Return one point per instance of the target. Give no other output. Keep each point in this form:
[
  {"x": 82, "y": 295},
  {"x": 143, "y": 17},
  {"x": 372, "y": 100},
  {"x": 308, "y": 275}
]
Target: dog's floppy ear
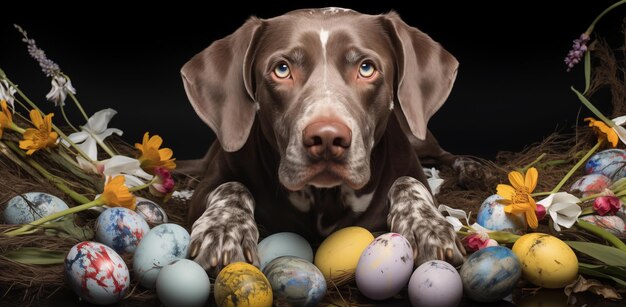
[
  {"x": 425, "y": 74},
  {"x": 218, "y": 84}
]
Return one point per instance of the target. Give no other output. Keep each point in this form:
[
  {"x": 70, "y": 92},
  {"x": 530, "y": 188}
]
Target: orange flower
[
  {"x": 603, "y": 131},
  {"x": 153, "y": 157},
  {"x": 517, "y": 196},
  {"x": 6, "y": 118},
  {"x": 41, "y": 136},
  {"x": 116, "y": 193}
]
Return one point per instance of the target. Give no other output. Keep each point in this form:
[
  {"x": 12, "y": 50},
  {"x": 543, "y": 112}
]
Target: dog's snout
[{"x": 327, "y": 139}]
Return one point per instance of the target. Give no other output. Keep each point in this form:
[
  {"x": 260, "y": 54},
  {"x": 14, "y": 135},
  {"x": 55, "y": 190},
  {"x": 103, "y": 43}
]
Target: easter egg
[
  {"x": 295, "y": 281},
  {"x": 610, "y": 163},
  {"x": 384, "y": 267},
  {"x": 242, "y": 284},
  {"x": 491, "y": 215},
  {"x": 490, "y": 274},
  {"x": 96, "y": 273},
  {"x": 284, "y": 244},
  {"x": 546, "y": 260},
  {"x": 591, "y": 184},
  {"x": 121, "y": 229},
  {"x": 339, "y": 254},
  {"x": 161, "y": 246},
  {"x": 150, "y": 211},
  {"x": 19, "y": 211},
  {"x": 435, "y": 283},
  {"x": 611, "y": 223},
  {"x": 183, "y": 283}
]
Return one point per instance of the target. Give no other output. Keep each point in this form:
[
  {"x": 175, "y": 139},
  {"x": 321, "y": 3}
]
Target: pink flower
[
  {"x": 476, "y": 241},
  {"x": 540, "y": 211},
  {"x": 164, "y": 183},
  {"x": 607, "y": 205}
]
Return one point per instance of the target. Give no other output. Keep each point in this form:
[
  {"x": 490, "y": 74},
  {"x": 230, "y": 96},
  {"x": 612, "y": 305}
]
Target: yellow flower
[
  {"x": 116, "y": 193},
  {"x": 604, "y": 132},
  {"x": 6, "y": 119},
  {"x": 41, "y": 136},
  {"x": 517, "y": 197},
  {"x": 153, "y": 157}
]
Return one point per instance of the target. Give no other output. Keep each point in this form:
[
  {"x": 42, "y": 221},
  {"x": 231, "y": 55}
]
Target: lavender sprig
[
  {"x": 49, "y": 67},
  {"x": 575, "y": 55}
]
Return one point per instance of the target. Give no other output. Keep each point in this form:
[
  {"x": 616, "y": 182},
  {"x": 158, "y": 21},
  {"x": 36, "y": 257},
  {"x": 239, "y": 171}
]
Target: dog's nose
[{"x": 327, "y": 139}]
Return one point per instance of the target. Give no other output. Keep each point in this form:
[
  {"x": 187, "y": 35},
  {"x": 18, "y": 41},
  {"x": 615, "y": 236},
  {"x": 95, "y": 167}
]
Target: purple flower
[
  {"x": 578, "y": 50},
  {"x": 48, "y": 67}
]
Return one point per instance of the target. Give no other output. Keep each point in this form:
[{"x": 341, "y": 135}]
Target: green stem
[
  {"x": 78, "y": 105},
  {"x": 608, "y": 9},
  {"x": 523, "y": 170},
  {"x": 141, "y": 187},
  {"x": 24, "y": 229},
  {"x": 541, "y": 194},
  {"x": 593, "y": 109},
  {"x": 13, "y": 157},
  {"x": 66, "y": 119},
  {"x": 587, "y": 211},
  {"x": 600, "y": 232},
  {"x": 576, "y": 166}
]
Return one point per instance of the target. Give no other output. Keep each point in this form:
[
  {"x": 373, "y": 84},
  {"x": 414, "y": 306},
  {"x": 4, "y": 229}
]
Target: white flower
[
  {"x": 128, "y": 167},
  {"x": 6, "y": 93},
  {"x": 563, "y": 209},
  {"x": 621, "y": 131},
  {"x": 454, "y": 216},
  {"x": 434, "y": 181},
  {"x": 60, "y": 87},
  {"x": 95, "y": 130}
]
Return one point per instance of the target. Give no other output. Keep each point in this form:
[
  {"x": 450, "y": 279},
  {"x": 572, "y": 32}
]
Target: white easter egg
[
  {"x": 183, "y": 283},
  {"x": 435, "y": 283},
  {"x": 284, "y": 244}
]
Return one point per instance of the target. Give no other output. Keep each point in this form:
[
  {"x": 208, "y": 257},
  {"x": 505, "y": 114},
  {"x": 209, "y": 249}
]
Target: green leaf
[
  {"x": 592, "y": 108},
  {"x": 36, "y": 255},
  {"x": 591, "y": 272},
  {"x": 605, "y": 269},
  {"x": 587, "y": 71},
  {"x": 606, "y": 254}
]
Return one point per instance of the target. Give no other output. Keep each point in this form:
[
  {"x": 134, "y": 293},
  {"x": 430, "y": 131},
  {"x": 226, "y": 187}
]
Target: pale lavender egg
[
  {"x": 491, "y": 215},
  {"x": 96, "y": 273},
  {"x": 435, "y": 283},
  {"x": 121, "y": 229},
  {"x": 591, "y": 184}
]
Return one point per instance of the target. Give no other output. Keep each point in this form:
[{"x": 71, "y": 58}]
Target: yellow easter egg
[
  {"x": 339, "y": 254},
  {"x": 546, "y": 260},
  {"x": 242, "y": 284}
]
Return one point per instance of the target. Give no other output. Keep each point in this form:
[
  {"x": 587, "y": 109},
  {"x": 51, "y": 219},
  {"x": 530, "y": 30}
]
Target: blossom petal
[
  {"x": 547, "y": 202},
  {"x": 119, "y": 164},
  {"x": 505, "y": 191},
  {"x": 90, "y": 148},
  {"x": 531, "y": 219},
  {"x": 132, "y": 181},
  {"x": 76, "y": 137},
  {"x": 620, "y": 121},
  {"x": 107, "y": 132},
  {"x": 99, "y": 121},
  {"x": 531, "y": 179},
  {"x": 517, "y": 180},
  {"x": 621, "y": 133},
  {"x": 454, "y": 216}
]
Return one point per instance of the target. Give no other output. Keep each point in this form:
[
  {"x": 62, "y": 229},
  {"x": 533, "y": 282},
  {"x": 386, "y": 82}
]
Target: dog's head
[{"x": 322, "y": 83}]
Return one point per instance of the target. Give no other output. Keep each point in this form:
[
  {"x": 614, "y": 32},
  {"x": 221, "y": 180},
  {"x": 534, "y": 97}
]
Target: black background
[{"x": 512, "y": 88}]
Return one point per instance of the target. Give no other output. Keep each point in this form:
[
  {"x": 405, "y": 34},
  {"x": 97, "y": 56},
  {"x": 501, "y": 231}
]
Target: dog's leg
[
  {"x": 226, "y": 232},
  {"x": 412, "y": 213}
]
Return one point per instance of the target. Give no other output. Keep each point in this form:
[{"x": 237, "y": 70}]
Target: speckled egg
[
  {"x": 121, "y": 229},
  {"x": 384, "y": 267},
  {"x": 611, "y": 223},
  {"x": 243, "y": 285},
  {"x": 284, "y": 244},
  {"x": 18, "y": 211},
  {"x": 150, "y": 211},
  {"x": 295, "y": 281},
  {"x": 435, "y": 283},
  {"x": 591, "y": 184},
  {"x": 96, "y": 273},
  {"x": 490, "y": 274},
  {"x": 161, "y": 246},
  {"x": 339, "y": 253},
  {"x": 610, "y": 163},
  {"x": 491, "y": 215},
  {"x": 183, "y": 283}
]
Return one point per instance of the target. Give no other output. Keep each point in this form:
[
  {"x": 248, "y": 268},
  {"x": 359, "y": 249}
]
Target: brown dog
[{"x": 315, "y": 112}]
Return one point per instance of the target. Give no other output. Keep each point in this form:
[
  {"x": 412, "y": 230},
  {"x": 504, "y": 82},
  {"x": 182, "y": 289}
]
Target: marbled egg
[
  {"x": 183, "y": 283},
  {"x": 295, "y": 281},
  {"x": 96, "y": 273},
  {"x": 161, "y": 246},
  {"x": 490, "y": 274},
  {"x": 435, "y": 283},
  {"x": 18, "y": 211},
  {"x": 284, "y": 244},
  {"x": 491, "y": 215},
  {"x": 612, "y": 223},
  {"x": 243, "y": 285},
  {"x": 150, "y": 211},
  {"x": 121, "y": 229},
  {"x": 384, "y": 267},
  {"x": 610, "y": 163},
  {"x": 591, "y": 184}
]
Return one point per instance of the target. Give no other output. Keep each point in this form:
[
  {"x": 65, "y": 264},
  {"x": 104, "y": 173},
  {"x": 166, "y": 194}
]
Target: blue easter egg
[
  {"x": 491, "y": 215},
  {"x": 121, "y": 229},
  {"x": 19, "y": 211},
  {"x": 490, "y": 274},
  {"x": 295, "y": 281},
  {"x": 610, "y": 163},
  {"x": 283, "y": 244}
]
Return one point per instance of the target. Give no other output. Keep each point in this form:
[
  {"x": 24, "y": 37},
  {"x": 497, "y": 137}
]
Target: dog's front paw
[{"x": 413, "y": 215}]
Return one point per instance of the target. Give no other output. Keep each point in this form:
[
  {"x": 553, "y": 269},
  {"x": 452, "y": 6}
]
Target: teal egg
[
  {"x": 295, "y": 281},
  {"x": 490, "y": 274},
  {"x": 19, "y": 211},
  {"x": 491, "y": 215},
  {"x": 284, "y": 244}
]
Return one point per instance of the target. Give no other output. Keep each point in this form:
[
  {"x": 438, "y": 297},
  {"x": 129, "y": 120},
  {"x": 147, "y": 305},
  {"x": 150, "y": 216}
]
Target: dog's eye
[
  {"x": 366, "y": 70},
  {"x": 282, "y": 71}
]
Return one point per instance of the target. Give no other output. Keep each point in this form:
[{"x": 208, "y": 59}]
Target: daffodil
[
  {"x": 603, "y": 131},
  {"x": 152, "y": 156},
  {"x": 517, "y": 196},
  {"x": 41, "y": 136},
  {"x": 116, "y": 194},
  {"x": 563, "y": 209},
  {"x": 94, "y": 132},
  {"x": 61, "y": 87}
]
